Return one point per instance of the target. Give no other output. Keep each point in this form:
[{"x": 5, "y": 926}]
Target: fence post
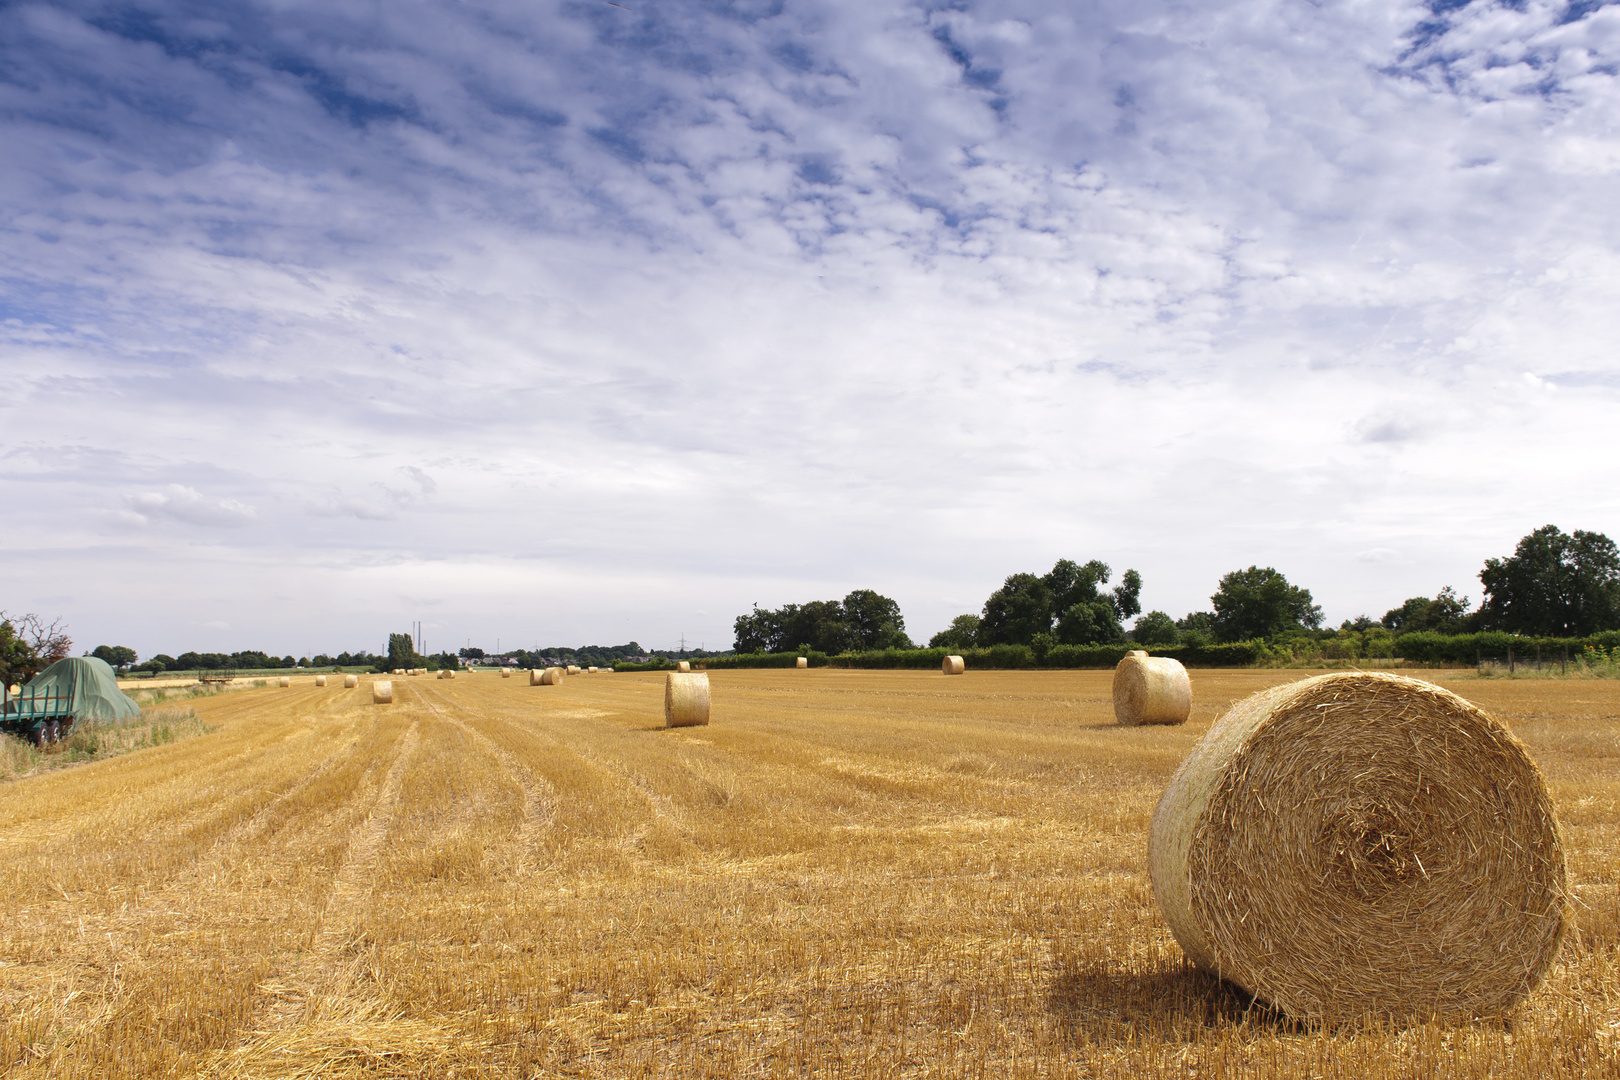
[{"x": 1510, "y": 659}]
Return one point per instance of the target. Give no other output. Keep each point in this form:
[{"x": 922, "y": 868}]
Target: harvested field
[{"x": 848, "y": 873}]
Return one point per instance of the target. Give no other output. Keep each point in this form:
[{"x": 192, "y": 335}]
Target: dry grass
[{"x": 847, "y": 874}]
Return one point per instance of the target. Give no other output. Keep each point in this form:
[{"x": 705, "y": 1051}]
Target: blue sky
[{"x": 580, "y": 322}]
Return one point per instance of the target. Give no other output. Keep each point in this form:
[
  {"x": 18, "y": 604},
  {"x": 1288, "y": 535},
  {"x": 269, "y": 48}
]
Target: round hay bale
[
  {"x": 683, "y": 665},
  {"x": 1151, "y": 690},
  {"x": 552, "y": 676},
  {"x": 1363, "y": 844},
  {"x": 802, "y": 662},
  {"x": 573, "y": 669},
  {"x": 534, "y": 677},
  {"x": 953, "y": 665},
  {"x": 382, "y": 692},
  {"x": 350, "y": 682},
  {"x": 591, "y": 670},
  {"x": 447, "y": 673},
  {"x": 285, "y": 681},
  {"x": 686, "y": 699},
  {"x": 506, "y": 673},
  {"x": 320, "y": 680}
]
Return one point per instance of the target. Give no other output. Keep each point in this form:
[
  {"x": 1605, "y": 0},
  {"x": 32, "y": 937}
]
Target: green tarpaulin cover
[{"x": 81, "y": 686}]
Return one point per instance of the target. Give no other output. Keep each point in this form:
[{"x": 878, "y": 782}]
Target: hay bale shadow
[{"x": 1100, "y": 1004}]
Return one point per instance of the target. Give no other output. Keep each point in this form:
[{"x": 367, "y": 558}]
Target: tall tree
[
  {"x": 1445, "y": 614},
  {"x": 1259, "y": 603},
  {"x": 1068, "y": 598},
  {"x": 862, "y": 620},
  {"x": 1565, "y": 585},
  {"x": 402, "y": 652},
  {"x": 963, "y": 633},
  {"x": 116, "y": 656}
]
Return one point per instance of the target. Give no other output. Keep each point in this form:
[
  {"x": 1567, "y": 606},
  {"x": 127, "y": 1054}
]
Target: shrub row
[{"x": 1429, "y": 648}]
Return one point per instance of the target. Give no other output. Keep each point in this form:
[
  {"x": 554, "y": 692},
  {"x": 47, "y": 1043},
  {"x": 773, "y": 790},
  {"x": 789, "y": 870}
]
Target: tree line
[{"x": 1554, "y": 585}]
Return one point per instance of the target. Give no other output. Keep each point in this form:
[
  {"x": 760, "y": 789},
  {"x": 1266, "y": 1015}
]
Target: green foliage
[
  {"x": 1447, "y": 613},
  {"x": 1427, "y": 647},
  {"x": 1259, "y": 603},
  {"x": 1156, "y": 628},
  {"x": 963, "y": 633},
  {"x": 1000, "y": 657},
  {"x": 115, "y": 656},
  {"x": 28, "y": 645},
  {"x": 1554, "y": 584},
  {"x": 862, "y": 620},
  {"x": 402, "y": 652},
  {"x": 1066, "y": 603}
]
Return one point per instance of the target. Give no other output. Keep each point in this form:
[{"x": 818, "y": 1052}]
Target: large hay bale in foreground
[
  {"x": 802, "y": 662},
  {"x": 1359, "y": 844},
  {"x": 953, "y": 665},
  {"x": 320, "y": 680},
  {"x": 552, "y": 676},
  {"x": 683, "y": 665},
  {"x": 1151, "y": 690},
  {"x": 686, "y": 699},
  {"x": 350, "y": 682},
  {"x": 382, "y": 692}
]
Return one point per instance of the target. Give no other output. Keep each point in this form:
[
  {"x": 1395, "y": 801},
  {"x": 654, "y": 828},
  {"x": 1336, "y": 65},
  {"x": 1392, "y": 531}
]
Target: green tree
[
  {"x": 1554, "y": 583},
  {"x": 862, "y": 620},
  {"x": 1447, "y": 613},
  {"x": 874, "y": 621},
  {"x": 1259, "y": 603},
  {"x": 402, "y": 652},
  {"x": 28, "y": 645},
  {"x": 1067, "y": 602},
  {"x": 1156, "y": 628},
  {"x": 963, "y": 633},
  {"x": 1017, "y": 611},
  {"x": 116, "y": 656}
]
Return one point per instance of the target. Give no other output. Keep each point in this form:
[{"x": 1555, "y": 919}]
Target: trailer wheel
[{"x": 39, "y": 735}]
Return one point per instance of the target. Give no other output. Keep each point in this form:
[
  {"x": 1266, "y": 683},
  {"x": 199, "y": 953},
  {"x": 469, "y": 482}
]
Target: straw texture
[
  {"x": 552, "y": 676},
  {"x": 683, "y": 665},
  {"x": 953, "y": 665},
  {"x": 802, "y": 662},
  {"x": 1359, "y": 844},
  {"x": 350, "y": 682},
  {"x": 1151, "y": 690},
  {"x": 382, "y": 692},
  {"x": 686, "y": 699}
]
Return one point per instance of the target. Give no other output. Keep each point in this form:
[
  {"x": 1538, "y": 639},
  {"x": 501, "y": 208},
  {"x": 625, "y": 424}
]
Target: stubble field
[{"x": 864, "y": 874}]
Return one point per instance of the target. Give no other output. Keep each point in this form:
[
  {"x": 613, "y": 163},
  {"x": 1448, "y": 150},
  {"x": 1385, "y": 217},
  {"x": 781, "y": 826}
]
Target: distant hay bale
[
  {"x": 682, "y": 665},
  {"x": 686, "y": 699},
  {"x": 573, "y": 669},
  {"x": 285, "y": 681},
  {"x": 552, "y": 676},
  {"x": 1151, "y": 690},
  {"x": 398, "y": 671},
  {"x": 1363, "y": 844},
  {"x": 506, "y": 673},
  {"x": 591, "y": 670},
  {"x": 320, "y": 680},
  {"x": 802, "y": 662},
  {"x": 534, "y": 677},
  {"x": 382, "y": 692},
  {"x": 447, "y": 673},
  {"x": 953, "y": 665},
  {"x": 350, "y": 682}
]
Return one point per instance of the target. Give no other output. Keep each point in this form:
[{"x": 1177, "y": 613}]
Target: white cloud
[
  {"x": 841, "y": 295},
  {"x": 187, "y": 505}
]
